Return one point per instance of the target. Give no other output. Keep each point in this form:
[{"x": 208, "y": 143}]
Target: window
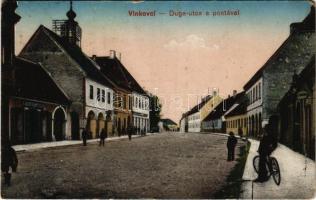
[
  {"x": 253, "y": 95},
  {"x": 124, "y": 101},
  {"x": 109, "y": 98},
  {"x": 139, "y": 103},
  {"x": 130, "y": 102},
  {"x": 98, "y": 94},
  {"x": 91, "y": 92},
  {"x": 136, "y": 102},
  {"x": 259, "y": 90},
  {"x": 250, "y": 97},
  {"x": 103, "y": 95}
]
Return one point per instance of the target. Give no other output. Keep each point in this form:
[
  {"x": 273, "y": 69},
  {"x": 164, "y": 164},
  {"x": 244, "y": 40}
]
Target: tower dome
[{"x": 71, "y": 14}]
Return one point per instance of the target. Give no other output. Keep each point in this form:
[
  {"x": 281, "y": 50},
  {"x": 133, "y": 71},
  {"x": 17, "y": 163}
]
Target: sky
[{"x": 180, "y": 59}]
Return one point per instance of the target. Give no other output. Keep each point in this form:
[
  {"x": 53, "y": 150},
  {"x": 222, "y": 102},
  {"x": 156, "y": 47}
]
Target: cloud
[{"x": 190, "y": 42}]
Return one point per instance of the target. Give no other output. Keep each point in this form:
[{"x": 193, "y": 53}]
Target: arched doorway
[
  {"x": 128, "y": 121},
  {"x": 59, "y": 124},
  {"x": 108, "y": 123},
  {"x": 249, "y": 126},
  {"x": 75, "y": 131},
  {"x": 91, "y": 125},
  {"x": 101, "y": 124}
]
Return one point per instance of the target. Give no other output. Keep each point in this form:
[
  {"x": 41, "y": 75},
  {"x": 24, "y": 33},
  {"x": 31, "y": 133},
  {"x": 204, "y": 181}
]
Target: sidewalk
[
  {"x": 296, "y": 182},
  {"x": 30, "y": 147}
]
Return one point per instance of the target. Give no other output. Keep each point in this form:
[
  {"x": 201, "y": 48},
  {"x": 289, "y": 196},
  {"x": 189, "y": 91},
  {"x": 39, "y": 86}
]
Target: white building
[
  {"x": 140, "y": 111},
  {"x": 254, "y": 108},
  {"x": 194, "y": 122},
  {"x": 99, "y": 106}
]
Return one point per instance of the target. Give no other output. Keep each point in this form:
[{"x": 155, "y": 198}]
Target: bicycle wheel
[
  {"x": 275, "y": 171},
  {"x": 255, "y": 163}
]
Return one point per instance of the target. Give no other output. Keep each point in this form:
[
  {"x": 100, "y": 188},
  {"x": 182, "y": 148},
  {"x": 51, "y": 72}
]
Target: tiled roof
[
  {"x": 115, "y": 70},
  {"x": 87, "y": 64},
  {"x": 35, "y": 83},
  {"x": 197, "y": 107},
  {"x": 238, "y": 110},
  {"x": 223, "y": 107}
]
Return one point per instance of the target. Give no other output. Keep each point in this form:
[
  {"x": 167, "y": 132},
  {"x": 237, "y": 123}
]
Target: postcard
[{"x": 157, "y": 99}]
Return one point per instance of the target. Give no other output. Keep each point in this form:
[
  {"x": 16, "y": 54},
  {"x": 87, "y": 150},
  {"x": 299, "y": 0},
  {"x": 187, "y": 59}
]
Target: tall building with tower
[{"x": 89, "y": 91}]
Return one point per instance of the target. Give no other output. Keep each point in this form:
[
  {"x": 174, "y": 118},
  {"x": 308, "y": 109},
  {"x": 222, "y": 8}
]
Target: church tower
[{"x": 68, "y": 29}]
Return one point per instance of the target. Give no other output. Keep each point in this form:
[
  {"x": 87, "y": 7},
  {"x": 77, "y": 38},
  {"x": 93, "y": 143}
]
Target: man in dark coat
[
  {"x": 8, "y": 159},
  {"x": 130, "y": 131},
  {"x": 231, "y": 144},
  {"x": 103, "y": 136},
  {"x": 267, "y": 145},
  {"x": 84, "y": 137}
]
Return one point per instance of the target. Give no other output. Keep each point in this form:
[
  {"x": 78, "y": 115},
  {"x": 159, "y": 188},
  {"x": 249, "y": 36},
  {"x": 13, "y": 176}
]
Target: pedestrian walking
[
  {"x": 231, "y": 144},
  {"x": 103, "y": 136},
  {"x": 130, "y": 131},
  {"x": 84, "y": 135},
  {"x": 8, "y": 160}
]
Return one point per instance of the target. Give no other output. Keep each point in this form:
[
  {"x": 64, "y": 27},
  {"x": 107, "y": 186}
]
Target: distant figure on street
[
  {"x": 130, "y": 131},
  {"x": 231, "y": 144},
  {"x": 84, "y": 135},
  {"x": 103, "y": 136},
  {"x": 8, "y": 160},
  {"x": 268, "y": 144}
]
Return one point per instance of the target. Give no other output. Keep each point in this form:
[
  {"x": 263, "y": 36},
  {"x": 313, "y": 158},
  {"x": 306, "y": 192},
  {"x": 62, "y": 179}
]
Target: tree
[{"x": 154, "y": 114}]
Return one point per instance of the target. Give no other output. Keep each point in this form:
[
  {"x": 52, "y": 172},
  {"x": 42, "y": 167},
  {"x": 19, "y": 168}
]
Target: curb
[{"x": 53, "y": 144}]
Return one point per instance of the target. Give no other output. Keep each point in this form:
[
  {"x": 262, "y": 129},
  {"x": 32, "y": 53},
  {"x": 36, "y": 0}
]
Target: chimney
[
  {"x": 234, "y": 92},
  {"x": 94, "y": 57},
  {"x": 215, "y": 92},
  {"x": 112, "y": 54}
]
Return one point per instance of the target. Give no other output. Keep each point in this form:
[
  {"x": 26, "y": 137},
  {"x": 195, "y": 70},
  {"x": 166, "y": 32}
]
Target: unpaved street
[{"x": 169, "y": 165}]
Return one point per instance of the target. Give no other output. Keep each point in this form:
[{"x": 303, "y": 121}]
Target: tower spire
[
  {"x": 71, "y": 14},
  {"x": 70, "y": 4}
]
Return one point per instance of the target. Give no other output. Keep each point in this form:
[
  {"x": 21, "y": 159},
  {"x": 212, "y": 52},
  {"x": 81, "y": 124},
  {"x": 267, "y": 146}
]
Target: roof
[
  {"x": 238, "y": 110},
  {"x": 197, "y": 107},
  {"x": 308, "y": 24},
  {"x": 168, "y": 122},
  {"x": 86, "y": 64},
  {"x": 115, "y": 70},
  {"x": 34, "y": 82},
  {"x": 219, "y": 110}
]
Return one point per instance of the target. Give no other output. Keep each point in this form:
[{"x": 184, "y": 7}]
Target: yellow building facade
[
  {"x": 122, "y": 112},
  {"x": 236, "y": 120}
]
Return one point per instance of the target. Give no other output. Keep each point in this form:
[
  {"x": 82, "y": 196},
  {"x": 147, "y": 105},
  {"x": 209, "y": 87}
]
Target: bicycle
[{"x": 272, "y": 168}]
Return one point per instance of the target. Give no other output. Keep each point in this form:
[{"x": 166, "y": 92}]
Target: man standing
[
  {"x": 231, "y": 144},
  {"x": 84, "y": 135},
  {"x": 103, "y": 136},
  {"x": 8, "y": 160},
  {"x": 130, "y": 130}
]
